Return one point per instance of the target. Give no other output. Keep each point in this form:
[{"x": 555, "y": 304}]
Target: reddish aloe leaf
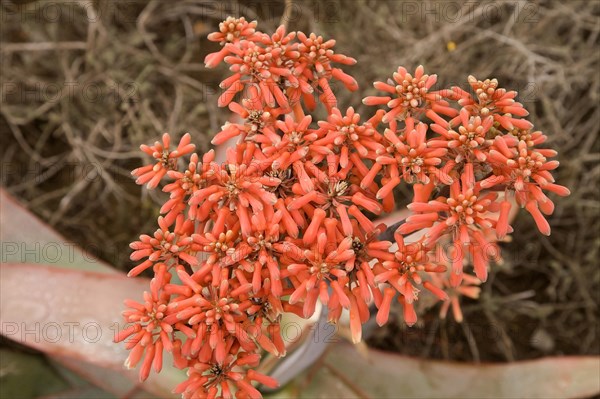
[
  {"x": 48, "y": 299},
  {"x": 72, "y": 314},
  {"x": 26, "y": 239},
  {"x": 344, "y": 372},
  {"x": 76, "y": 298},
  {"x": 114, "y": 381}
]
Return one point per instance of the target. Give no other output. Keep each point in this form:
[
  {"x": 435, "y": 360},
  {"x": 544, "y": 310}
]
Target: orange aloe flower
[
  {"x": 238, "y": 188},
  {"x": 469, "y": 141},
  {"x": 492, "y": 100},
  {"x": 468, "y": 287},
  {"x": 164, "y": 246},
  {"x": 314, "y": 67},
  {"x": 407, "y": 157},
  {"x": 403, "y": 275},
  {"x": 409, "y": 95},
  {"x": 287, "y": 219},
  {"x": 231, "y": 31},
  {"x": 526, "y": 172},
  {"x": 346, "y": 133},
  {"x": 258, "y": 123},
  {"x": 464, "y": 214},
  {"x": 225, "y": 378},
  {"x": 165, "y": 159},
  {"x": 148, "y": 335}
]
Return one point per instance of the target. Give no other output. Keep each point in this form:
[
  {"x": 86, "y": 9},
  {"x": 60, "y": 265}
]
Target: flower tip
[{"x": 381, "y": 319}]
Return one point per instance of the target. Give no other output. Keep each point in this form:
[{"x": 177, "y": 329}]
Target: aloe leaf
[
  {"x": 344, "y": 372},
  {"x": 74, "y": 314}
]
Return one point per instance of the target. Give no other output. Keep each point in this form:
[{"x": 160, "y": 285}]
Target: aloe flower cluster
[{"x": 289, "y": 218}]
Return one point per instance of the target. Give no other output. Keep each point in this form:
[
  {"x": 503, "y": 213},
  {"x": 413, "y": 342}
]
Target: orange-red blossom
[{"x": 287, "y": 218}]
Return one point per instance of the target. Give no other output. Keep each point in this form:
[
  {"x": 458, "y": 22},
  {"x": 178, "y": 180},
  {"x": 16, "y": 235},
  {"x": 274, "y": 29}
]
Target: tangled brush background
[{"x": 85, "y": 83}]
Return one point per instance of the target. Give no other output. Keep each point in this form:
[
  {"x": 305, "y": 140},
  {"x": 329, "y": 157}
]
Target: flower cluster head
[
  {"x": 285, "y": 69},
  {"x": 289, "y": 217}
]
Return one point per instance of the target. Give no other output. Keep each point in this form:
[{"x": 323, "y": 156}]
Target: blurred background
[{"x": 84, "y": 83}]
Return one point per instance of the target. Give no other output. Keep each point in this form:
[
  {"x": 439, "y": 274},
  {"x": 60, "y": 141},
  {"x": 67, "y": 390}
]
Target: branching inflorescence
[{"x": 286, "y": 220}]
